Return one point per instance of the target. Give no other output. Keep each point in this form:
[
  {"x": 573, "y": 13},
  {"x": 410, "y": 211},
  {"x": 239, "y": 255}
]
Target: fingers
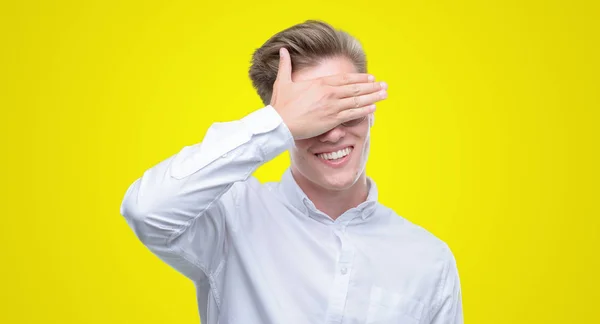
[
  {"x": 359, "y": 89},
  {"x": 349, "y": 115},
  {"x": 362, "y": 101},
  {"x": 348, "y": 78},
  {"x": 284, "y": 73}
]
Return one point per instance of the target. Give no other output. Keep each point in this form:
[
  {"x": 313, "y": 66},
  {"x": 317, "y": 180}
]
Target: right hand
[{"x": 311, "y": 108}]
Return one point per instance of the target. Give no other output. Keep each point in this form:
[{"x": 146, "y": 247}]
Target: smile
[{"x": 336, "y": 158}]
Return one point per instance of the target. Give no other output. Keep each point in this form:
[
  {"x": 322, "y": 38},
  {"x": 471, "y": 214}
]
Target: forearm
[{"x": 169, "y": 196}]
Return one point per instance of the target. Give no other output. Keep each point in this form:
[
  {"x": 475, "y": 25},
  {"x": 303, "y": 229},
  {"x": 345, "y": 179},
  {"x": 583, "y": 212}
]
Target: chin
[{"x": 340, "y": 180}]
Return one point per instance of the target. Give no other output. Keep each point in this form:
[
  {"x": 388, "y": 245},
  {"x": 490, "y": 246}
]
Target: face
[{"x": 334, "y": 160}]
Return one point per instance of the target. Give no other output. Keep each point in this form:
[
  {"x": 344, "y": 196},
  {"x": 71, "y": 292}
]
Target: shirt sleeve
[
  {"x": 448, "y": 306},
  {"x": 178, "y": 208}
]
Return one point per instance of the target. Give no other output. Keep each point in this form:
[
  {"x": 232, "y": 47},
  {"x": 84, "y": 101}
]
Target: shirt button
[{"x": 344, "y": 270}]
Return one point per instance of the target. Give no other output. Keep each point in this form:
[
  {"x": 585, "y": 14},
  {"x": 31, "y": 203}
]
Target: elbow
[
  {"x": 137, "y": 212},
  {"x": 131, "y": 207}
]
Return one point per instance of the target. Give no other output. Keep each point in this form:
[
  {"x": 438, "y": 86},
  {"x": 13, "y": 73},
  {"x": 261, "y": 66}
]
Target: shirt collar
[{"x": 300, "y": 201}]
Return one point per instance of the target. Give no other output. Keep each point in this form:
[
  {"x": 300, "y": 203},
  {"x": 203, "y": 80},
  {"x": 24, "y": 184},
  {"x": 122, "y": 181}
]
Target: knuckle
[
  {"x": 345, "y": 78},
  {"x": 376, "y": 96},
  {"x": 328, "y": 92}
]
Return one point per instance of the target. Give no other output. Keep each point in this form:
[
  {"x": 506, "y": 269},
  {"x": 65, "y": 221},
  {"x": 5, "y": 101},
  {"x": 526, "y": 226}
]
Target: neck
[{"x": 333, "y": 202}]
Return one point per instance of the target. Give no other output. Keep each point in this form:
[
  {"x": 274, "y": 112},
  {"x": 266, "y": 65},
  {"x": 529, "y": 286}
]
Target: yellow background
[{"x": 488, "y": 139}]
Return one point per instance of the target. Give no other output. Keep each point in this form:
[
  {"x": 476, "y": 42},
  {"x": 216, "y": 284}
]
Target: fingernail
[
  {"x": 383, "y": 94},
  {"x": 371, "y": 78},
  {"x": 383, "y": 85}
]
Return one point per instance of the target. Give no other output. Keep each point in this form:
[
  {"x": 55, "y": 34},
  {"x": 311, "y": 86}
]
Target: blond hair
[{"x": 308, "y": 43}]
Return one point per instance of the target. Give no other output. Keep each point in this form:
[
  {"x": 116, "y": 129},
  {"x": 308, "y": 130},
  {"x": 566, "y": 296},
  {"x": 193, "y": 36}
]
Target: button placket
[{"x": 342, "y": 277}]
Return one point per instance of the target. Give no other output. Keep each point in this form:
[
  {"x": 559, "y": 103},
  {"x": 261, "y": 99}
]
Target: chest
[{"x": 318, "y": 273}]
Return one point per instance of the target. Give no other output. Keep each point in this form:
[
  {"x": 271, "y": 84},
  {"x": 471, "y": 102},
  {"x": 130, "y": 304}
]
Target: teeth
[{"x": 335, "y": 155}]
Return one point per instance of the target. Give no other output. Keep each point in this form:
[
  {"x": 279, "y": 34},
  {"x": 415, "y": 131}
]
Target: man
[{"x": 315, "y": 247}]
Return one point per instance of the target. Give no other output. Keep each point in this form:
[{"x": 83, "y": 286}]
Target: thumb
[{"x": 284, "y": 73}]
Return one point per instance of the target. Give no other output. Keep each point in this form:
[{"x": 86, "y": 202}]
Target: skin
[{"x": 333, "y": 190}]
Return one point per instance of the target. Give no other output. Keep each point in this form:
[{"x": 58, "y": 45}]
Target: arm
[
  {"x": 448, "y": 307},
  {"x": 178, "y": 207}
]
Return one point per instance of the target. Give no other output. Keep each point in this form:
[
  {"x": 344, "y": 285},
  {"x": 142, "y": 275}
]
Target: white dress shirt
[{"x": 263, "y": 254}]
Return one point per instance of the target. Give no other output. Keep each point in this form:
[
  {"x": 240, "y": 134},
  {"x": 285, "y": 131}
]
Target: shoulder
[
  {"x": 410, "y": 238},
  {"x": 252, "y": 191},
  {"x": 253, "y": 186}
]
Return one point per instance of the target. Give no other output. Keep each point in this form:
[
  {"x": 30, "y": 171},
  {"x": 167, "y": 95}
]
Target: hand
[{"x": 311, "y": 108}]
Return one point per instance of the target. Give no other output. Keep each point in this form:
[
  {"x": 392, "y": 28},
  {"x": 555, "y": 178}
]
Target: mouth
[{"x": 337, "y": 158}]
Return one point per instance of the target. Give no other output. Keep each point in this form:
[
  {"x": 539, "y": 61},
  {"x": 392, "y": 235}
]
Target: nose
[{"x": 333, "y": 135}]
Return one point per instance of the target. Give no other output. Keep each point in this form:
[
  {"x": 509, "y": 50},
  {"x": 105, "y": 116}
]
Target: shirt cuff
[
  {"x": 262, "y": 120},
  {"x": 267, "y": 120}
]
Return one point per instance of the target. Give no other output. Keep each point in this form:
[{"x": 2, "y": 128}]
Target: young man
[{"x": 315, "y": 247}]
